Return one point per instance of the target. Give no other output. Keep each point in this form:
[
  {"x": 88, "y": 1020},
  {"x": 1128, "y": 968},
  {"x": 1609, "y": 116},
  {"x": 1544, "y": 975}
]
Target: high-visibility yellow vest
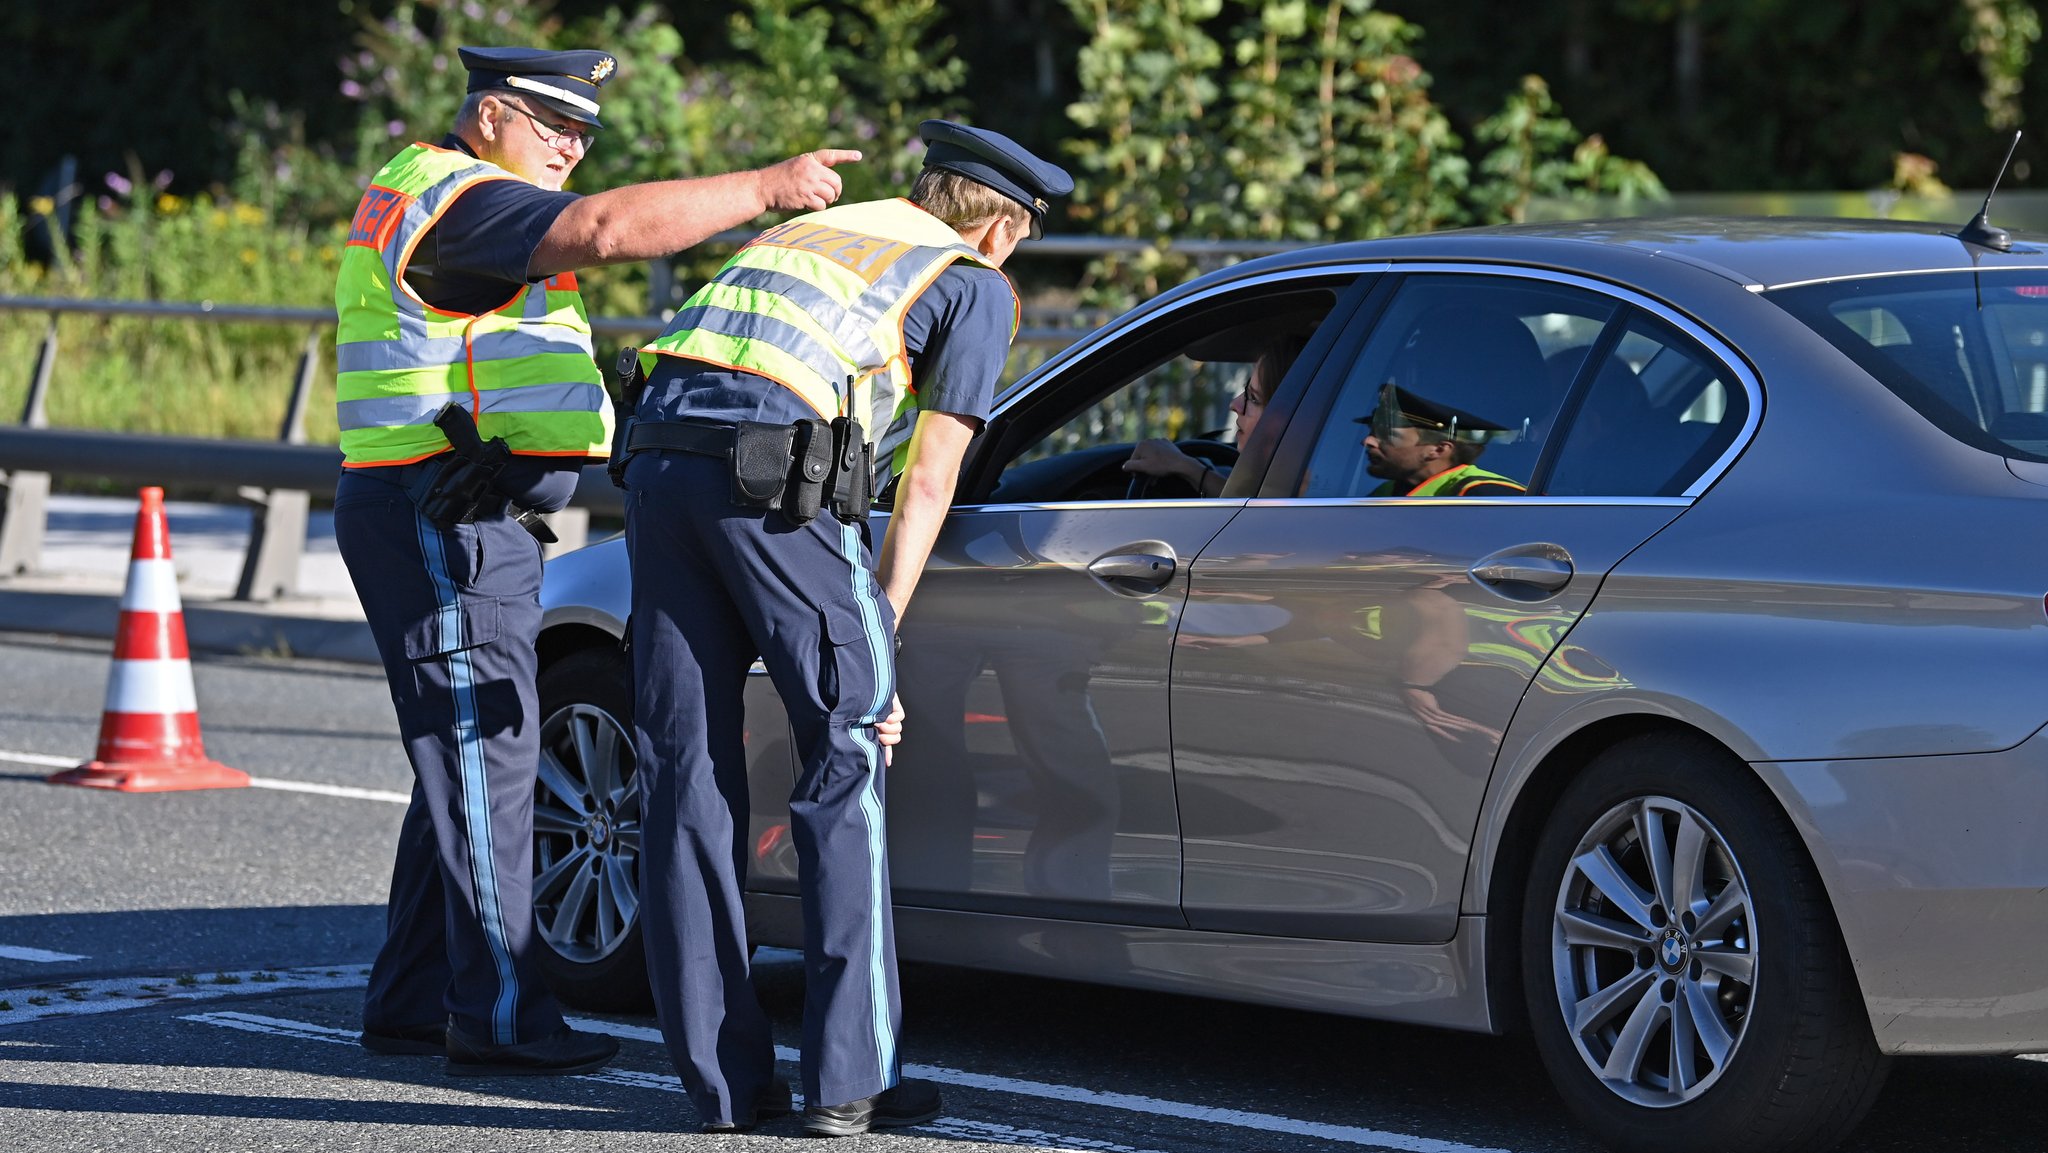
[
  {"x": 818, "y": 302},
  {"x": 1449, "y": 482},
  {"x": 525, "y": 369}
]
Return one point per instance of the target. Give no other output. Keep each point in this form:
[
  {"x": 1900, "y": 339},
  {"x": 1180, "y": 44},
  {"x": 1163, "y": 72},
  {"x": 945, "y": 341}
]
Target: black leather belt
[{"x": 681, "y": 436}]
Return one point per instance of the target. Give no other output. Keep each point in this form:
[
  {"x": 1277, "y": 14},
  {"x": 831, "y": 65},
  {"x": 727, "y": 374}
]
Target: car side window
[
  {"x": 1476, "y": 365},
  {"x": 1181, "y": 378},
  {"x": 1656, "y": 412}
]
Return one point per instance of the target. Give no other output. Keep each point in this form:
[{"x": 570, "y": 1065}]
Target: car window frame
[
  {"x": 999, "y": 438},
  {"x": 1282, "y": 478}
]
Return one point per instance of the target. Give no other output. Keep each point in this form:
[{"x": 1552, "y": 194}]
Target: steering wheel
[{"x": 1215, "y": 452}]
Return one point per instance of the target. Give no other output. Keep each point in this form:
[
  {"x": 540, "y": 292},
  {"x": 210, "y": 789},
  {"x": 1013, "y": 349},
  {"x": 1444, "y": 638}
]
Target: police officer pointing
[
  {"x": 468, "y": 402},
  {"x": 863, "y": 338}
]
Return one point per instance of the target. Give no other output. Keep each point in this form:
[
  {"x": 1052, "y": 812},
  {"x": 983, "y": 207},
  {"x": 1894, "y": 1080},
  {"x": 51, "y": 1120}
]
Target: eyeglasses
[{"x": 556, "y": 136}]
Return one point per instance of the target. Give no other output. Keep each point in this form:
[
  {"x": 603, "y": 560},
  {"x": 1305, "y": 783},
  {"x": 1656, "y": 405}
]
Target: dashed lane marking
[
  {"x": 83, "y": 998},
  {"x": 39, "y": 956}
]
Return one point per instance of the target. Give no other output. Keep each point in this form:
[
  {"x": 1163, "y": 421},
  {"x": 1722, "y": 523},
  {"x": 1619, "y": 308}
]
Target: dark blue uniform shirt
[
  {"x": 957, "y": 336},
  {"x": 473, "y": 260}
]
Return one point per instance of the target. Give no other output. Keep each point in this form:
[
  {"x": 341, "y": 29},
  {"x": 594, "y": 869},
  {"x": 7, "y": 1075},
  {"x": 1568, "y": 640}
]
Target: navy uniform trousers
[
  {"x": 455, "y": 613},
  {"x": 714, "y": 586}
]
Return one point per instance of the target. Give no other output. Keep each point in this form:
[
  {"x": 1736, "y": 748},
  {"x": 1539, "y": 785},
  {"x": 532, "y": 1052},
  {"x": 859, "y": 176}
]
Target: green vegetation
[{"x": 1272, "y": 120}]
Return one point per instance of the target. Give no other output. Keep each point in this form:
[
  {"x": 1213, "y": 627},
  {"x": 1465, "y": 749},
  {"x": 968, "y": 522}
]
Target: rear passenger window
[
  {"x": 1456, "y": 391},
  {"x": 1656, "y": 412}
]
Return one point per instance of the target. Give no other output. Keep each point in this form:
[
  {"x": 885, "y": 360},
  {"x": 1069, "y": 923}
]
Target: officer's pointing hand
[{"x": 807, "y": 182}]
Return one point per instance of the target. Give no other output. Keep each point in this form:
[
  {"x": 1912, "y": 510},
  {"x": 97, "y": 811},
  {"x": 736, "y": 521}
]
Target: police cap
[
  {"x": 1400, "y": 408},
  {"x": 997, "y": 161},
  {"x": 564, "y": 81}
]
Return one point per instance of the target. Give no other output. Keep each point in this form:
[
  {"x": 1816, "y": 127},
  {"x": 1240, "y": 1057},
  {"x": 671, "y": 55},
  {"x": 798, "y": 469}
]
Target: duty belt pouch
[
  {"x": 852, "y": 479},
  {"x": 811, "y": 467},
  {"x": 761, "y": 463}
]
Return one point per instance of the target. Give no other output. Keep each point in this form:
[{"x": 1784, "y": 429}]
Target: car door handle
[
  {"x": 1544, "y": 567},
  {"x": 1133, "y": 572}
]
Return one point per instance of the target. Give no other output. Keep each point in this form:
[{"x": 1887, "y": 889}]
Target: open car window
[{"x": 1173, "y": 376}]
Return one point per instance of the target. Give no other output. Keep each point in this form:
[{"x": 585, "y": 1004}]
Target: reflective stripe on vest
[
  {"x": 524, "y": 370},
  {"x": 1459, "y": 478},
  {"x": 820, "y": 299}
]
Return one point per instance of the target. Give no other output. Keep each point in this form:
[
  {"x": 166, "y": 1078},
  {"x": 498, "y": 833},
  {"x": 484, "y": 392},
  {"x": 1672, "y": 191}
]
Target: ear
[{"x": 489, "y": 112}]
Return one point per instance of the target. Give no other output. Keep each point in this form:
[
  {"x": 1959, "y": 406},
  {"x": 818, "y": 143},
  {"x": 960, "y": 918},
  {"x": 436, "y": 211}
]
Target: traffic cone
[{"x": 149, "y": 730}]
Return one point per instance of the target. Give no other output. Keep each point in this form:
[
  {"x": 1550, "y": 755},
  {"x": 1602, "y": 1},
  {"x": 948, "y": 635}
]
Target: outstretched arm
[{"x": 662, "y": 217}]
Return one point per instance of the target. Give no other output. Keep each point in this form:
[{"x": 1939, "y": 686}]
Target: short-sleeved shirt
[
  {"x": 473, "y": 260},
  {"x": 477, "y": 255},
  {"x": 956, "y": 335}
]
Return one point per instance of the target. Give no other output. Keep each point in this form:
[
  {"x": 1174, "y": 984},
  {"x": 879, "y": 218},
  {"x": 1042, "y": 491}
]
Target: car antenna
[{"x": 1980, "y": 231}]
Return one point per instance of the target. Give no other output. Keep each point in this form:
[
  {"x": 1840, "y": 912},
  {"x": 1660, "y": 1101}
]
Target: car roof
[{"x": 1759, "y": 252}]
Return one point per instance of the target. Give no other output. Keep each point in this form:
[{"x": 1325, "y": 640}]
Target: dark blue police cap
[
  {"x": 994, "y": 159},
  {"x": 564, "y": 81}
]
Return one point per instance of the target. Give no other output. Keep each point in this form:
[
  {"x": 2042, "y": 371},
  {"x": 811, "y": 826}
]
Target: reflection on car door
[
  {"x": 1034, "y": 773},
  {"x": 1347, "y": 663}
]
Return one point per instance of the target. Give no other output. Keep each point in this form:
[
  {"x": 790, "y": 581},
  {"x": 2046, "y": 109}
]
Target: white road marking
[
  {"x": 83, "y": 998},
  {"x": 276, "y": 1027},
  {"x": 1128, "y": 1102},
  {"x": 47, "y": 762},
  {"x": 40, "y": 956},
  {"x": 345, "y": 791},
  {"x": 987, "y": 1131}
]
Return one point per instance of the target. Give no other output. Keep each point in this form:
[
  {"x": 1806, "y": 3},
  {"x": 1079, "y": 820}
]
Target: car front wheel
[
  {"x": 586, "y": 834},
  {"x": 1686, "y": 984}
]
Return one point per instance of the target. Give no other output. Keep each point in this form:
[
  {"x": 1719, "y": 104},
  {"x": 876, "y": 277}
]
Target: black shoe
[
  {"x": 407, "y": 1040},
  {"x": 565, "y": 1052},
  {"x": 910, "y": 1103},
  {"x": 771, "y": 1102}
]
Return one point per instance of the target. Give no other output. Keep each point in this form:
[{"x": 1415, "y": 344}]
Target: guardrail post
[
  {"x": 277, "y": 532},
  {"x": 27, "y": 504}
]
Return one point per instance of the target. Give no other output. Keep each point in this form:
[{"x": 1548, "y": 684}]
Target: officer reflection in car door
[{"x": 1069, "y": 804}]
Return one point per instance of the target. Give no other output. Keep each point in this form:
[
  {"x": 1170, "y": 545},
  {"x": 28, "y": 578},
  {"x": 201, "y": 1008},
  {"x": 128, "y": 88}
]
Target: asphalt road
[{"x": 181, "y": 971}]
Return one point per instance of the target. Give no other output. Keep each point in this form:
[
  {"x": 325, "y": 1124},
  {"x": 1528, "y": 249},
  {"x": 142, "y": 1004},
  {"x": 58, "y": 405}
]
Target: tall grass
[{"x": 179, "y": 376}]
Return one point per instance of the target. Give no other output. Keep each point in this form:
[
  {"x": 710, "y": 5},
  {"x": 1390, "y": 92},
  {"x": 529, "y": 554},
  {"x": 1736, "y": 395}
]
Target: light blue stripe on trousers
[
  {"x": 476, "y": 802},
  {"x": 879, "y": 651}
]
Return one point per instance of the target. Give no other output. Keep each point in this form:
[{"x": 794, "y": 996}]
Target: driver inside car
[{"x": 1161, "y": 459}]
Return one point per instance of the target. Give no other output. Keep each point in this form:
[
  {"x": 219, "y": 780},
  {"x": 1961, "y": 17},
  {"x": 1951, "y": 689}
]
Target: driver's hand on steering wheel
[{"x": 1162, "y": 458}]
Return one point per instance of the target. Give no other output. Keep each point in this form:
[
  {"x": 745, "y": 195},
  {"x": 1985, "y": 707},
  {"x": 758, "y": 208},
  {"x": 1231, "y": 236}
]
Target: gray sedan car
[{"x": 1707, "y": 748}]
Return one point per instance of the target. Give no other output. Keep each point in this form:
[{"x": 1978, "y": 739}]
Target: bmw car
[{"x": 1705, "y": 744}]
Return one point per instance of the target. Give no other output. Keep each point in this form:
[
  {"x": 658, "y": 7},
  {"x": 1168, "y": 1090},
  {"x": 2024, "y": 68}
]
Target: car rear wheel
[
  {"x": 1686, "y": 983},
  {"x": 586, "y": 834}
]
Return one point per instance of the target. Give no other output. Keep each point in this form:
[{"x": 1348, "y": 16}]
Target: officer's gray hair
[
  {"x": 963, "y": 203},
  {"x": 473, "y": 105}
]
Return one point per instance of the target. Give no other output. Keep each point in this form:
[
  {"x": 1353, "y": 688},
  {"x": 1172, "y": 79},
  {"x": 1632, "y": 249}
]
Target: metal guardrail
[{"x": 280, "y": 477}]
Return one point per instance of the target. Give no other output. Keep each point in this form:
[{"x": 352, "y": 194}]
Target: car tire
[
  {"x": 586, "y": 834},
  {"x": 1736, "y": 1023}
]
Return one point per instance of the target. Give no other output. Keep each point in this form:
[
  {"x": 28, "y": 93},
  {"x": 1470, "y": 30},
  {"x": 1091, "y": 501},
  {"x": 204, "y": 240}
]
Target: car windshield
[{"x": 1969, "y": 351}]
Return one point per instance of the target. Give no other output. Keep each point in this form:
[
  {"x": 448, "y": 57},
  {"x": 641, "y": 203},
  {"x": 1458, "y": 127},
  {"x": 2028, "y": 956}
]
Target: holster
[
  {"x": 456, "y": 486},
  {"x": 624, "y": 405}
]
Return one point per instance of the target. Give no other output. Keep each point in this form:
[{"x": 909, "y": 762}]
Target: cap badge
[
  {"x": 1038, "y": 205},
  {"x": 602, "y": 69}
]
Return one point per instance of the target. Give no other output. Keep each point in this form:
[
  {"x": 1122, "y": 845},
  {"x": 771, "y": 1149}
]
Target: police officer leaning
[
  {"x": 457, "y": 299},
  {"x": 865, "y": 338}
]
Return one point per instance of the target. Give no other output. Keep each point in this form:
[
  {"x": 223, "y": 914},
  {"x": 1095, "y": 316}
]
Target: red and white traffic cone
[{"x": 149, "y": 731}]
